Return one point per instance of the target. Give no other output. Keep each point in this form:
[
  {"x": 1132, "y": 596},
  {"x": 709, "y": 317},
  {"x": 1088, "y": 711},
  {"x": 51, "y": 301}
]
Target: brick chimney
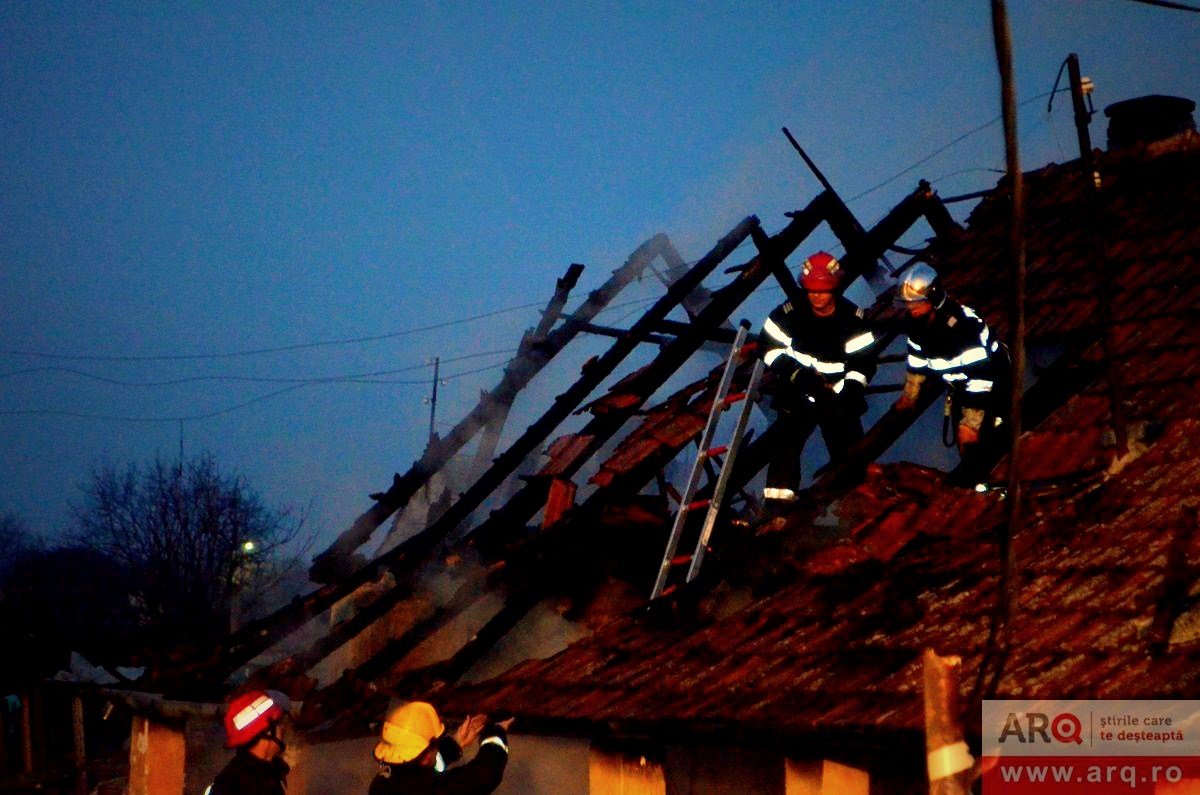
[{"x": 1146, "y": 119}]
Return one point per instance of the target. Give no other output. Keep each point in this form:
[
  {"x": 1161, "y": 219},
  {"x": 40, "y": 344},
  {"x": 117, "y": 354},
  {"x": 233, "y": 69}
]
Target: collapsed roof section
[
  {"x": 503, "y": 542},
  {"x": 821, "y": 629}
]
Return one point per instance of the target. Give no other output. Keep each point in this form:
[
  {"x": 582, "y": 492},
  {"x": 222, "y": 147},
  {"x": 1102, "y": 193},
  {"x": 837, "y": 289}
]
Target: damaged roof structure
[
  {"x": 804, "y": 637},
  {"x": 824, "y": 647}
]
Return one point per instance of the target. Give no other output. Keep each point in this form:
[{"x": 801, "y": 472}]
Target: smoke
[{"x": 542, "y": 633}]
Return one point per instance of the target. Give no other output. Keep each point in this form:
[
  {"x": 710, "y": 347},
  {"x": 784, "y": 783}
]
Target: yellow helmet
[{"x": 407, "y": 731}]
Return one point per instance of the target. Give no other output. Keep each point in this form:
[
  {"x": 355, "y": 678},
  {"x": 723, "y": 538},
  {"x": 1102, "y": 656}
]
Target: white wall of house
[{"x": 538, "y": 765}]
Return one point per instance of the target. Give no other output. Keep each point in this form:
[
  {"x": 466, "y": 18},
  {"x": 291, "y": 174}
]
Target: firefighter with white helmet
[
  {"x": 951, "y": 341},
  {"x": 819, "y": 355},
  {"x": 252, "y": 728},
  {"x": 415, "y": 751}
]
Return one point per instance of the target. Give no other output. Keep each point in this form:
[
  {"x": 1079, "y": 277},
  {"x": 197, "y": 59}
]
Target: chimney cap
[
  {"x": 1159, "y": 103},
  {"x": 1147, "y": 119}
]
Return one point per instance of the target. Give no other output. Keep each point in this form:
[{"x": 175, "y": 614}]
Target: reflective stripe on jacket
[
  {"x": 957, "y": 345},
  {"x": 835, "y": 349}
]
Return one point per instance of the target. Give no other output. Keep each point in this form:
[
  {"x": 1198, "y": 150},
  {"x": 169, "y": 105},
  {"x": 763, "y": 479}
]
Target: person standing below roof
[
  {"x": 252, "y": 724},
  {"x": 949, "y": 340},
  {"x": 819, "y": 356},
  {"x": 415, "y": 751}
]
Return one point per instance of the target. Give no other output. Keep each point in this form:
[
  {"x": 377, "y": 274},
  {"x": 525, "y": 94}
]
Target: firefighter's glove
[
  {"x": 910, "y": 392},
  {"x": 804, "y": 382},
  {"x": 969, "y": 427}
]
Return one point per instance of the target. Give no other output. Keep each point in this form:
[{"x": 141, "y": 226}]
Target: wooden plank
[
  {"x": 157, "y": 757},
  {"x": 950, "y": 764},
  {"x": 79, "y": 746},
  {"x": 26, "y": 733}
]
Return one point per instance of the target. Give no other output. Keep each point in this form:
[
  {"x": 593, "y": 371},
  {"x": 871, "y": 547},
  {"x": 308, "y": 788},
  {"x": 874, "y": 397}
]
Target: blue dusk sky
[{"x": 246, "y": 228}]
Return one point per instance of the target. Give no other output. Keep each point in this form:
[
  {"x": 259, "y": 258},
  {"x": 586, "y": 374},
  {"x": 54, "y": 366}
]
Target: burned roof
[{"x": 826, "y": 627}]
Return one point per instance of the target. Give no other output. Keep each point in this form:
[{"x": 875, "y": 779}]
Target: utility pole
[
  {"x": 433, "y": 400},
  {"x": 997, "y": 643},
  {"x": 1083, "y": 117}
]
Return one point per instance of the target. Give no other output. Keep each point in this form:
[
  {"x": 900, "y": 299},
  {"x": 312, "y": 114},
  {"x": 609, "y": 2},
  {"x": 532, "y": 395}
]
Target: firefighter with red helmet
[
  {"x": 950, "y": 341},
  {"x": 819, "y": 355},
  {"x": 252, "y": 728},
  {"x": 415, "y": 750}
]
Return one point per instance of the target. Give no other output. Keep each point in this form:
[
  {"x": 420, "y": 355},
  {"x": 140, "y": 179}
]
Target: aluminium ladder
[{"x": 721, "y": 401}]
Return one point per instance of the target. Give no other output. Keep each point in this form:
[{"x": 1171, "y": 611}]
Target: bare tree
[{"x": 199, "y": 545}]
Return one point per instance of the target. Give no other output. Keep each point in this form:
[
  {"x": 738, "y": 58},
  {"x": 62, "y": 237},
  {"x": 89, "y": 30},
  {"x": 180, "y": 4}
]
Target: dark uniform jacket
[
  {"x": 246, "y": 774},
  {"x": 819, "y": 354},
  {"x": 957, "y": 345},
  {"x": 479, "y": 776}
]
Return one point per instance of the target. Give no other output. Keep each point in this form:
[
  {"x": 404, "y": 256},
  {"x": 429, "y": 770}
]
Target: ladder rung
[
  {"x": 668, "y": 590},
  {"x": 692, "y": 506},
  {"x": 716, "y": 451},
  {"x": 679, "y": 560},
  {"x": 736, "y": 397}
]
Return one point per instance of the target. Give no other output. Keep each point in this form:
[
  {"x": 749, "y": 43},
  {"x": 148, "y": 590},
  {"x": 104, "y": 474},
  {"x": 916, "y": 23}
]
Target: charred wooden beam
[
  {"x": 532, "y": 356},
  {"x": 617, "y": 333},
  {"x": 650, "y": 378},
  {"x": 723, "y": 336},
  {"x": 694, "y": 301},
  {"x": 489, "y": 440},
  {"x": 697, "y": 299},
  {"x": 854, "y": 236},
  {"x": 529, "y": 500},
  {"x": 406, "y": 557},
  {"x": 517, "y": 605},
  {"x": 863, "y": 251},
  {"x": 256, "y": 636},
  {"x": 522, "y": 568},
  {"x": 492, "y": 534}
]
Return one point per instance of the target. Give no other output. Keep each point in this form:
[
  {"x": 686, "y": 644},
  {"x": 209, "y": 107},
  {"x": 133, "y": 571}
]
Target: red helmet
[
  {"x": 252, "y": 713},
  {"x": 821, "y": 273}
]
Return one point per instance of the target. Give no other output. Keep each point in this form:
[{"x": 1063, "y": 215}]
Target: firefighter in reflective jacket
[
  {"x": 819, "y": 356},
  {"x": 415, "y": 752},
  {"x": 949, "y": 340},
  {"x": 252, "y": 728}
]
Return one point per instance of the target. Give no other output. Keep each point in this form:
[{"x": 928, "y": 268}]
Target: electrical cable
[
  {"x": 259, "y": 351},
  {"x": 288, "y": 348},
  {"x": 1168, "y": 4},
  {"x": 371, "y": 378},
  {"x": 229, "y": 409},
  {"x": 245, "y": 378},
  {"x": 939, "y": 150}
]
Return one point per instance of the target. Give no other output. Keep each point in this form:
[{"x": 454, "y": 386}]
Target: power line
[
  {"x": 119, "y": 418},
  {"x": 259, "y": 351},
  {"x": 939, "y": 150},
  {"x": 285, "y": 348},
  {"x": 237, "y": 406},
  {"x": 244, "y": 378},
  {"x": 1168, "y": 4}
]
